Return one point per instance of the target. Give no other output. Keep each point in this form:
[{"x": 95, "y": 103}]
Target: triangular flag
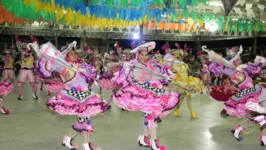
[{"x": 228, "y": 6}]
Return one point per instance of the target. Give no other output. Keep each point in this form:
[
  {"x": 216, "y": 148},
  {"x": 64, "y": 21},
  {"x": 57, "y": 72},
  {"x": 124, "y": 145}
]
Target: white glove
[{"x": 73, "y": 44}]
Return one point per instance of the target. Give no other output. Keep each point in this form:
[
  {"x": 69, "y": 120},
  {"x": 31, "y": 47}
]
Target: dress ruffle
[
  {"x": 236, "y": 105},
  {"x": 135, "y": 98},
  {"x": 54, "y": 85},
  {"x": 91, "y": 107},
  {"x": 5, "y": 88}
]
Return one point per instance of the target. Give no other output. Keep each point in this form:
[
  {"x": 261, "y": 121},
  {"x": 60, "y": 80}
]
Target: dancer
[
  {"x": 206, "y": 77},
  {"x": 227, "y": 89},
  {"x": 249, "y": 102},
  {"x": 26, "y": 73},
  {"x": 182, "y": 82},
  {"x": 76, "y": 98},
  {"x": 9, "y": 65},
  {"x": 5, "y": 88},
  {"x": 142, "y": 90}
]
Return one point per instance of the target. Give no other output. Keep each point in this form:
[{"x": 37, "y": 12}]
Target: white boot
[
  {"x": 155, "y": 145},
  {"x": 236, "y": 132},
  {"x": 67, "y": 142},
  {"x": 263, "y": 140},
  {"x": 144, "y": 141},
  {"x": 87, "y": 146},
  {"x": 34, "y": 96}
]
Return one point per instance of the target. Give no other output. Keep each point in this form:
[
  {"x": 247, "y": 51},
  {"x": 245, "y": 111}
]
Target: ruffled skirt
[
  {"x": 54, "y": 85},
  {"x": 5, "y": 88},
  {"x": 136, "y": 98},
  {"x": 222, "y": 93},
  {"x": 236, "y": 105},
  {"x": 191, "y": 82},
  {"x": 106, "y": 82},
  {"x": 79, "y": 103}
]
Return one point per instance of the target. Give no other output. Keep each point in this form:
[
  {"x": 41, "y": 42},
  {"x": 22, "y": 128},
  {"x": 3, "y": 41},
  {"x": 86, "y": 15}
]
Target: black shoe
[
  {"x": 35, "y": 97},
  {"x": 20, "y": 98}
]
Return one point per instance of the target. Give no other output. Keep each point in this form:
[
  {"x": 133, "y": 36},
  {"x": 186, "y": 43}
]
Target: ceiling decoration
[{"x": 168, "y": 15}]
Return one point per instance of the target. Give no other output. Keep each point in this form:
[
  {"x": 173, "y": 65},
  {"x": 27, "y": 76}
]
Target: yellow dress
[{"x": 184, "y": 83}]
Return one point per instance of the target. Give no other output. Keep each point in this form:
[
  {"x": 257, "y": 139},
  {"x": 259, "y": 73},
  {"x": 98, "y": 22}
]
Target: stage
[{"x": 31, "y": 126}]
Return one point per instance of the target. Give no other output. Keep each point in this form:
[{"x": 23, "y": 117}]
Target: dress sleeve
[
  {"x": 90, "y": 72},
  {"x": 255, "y": 107},
  {"x": 18, "y": 43},
  {"x": 122, "y": 76},
  {"x": 253, "y": 69},
  {"x": 46, "y": 68}
]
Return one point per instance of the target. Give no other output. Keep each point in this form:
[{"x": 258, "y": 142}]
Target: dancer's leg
[
  {"x": 41, "y": 88},
  {"x": 2, "y": 108},
  {"x": 144, "y": 138},
  {"x": 72, "y": 134},
  {"x": 152, "y": 126},
  {"x": 177, "y": 109},
  {"x": 20, "y": 89},
  {"x": 240, "y": 128},
  {"x": 84, "y": 137},
  {"x": 32, "y": 83},
  {"x": 263, "y": 137},
  {"x": 12, "y": 77},
  {"x": 189, "y": 104}
]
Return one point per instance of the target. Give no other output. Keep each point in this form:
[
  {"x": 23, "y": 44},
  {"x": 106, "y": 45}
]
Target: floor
[{"x": 31, "y": 126}]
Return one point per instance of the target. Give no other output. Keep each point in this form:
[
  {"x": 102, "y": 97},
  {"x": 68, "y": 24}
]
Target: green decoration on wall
[
  {"x": 194, "y": 16},
  {"x": 185, "y": 14},
  {"x": 94, "y": 2},
  {"x": 124, "y": 3},
  {"x": 182, "y": 3},
  {"x": 110, "y": 3}
]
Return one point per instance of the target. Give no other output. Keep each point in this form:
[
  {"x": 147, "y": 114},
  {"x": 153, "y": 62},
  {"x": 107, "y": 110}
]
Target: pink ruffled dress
[
  {"x": 150, "y": 97},
  {"x": 236, "y": 105},
  {"x": 106, "y": 81},
  {"x": 5, "y": 88},
  {"x": 55, "y": 84},
  {"x": 76, "y": 98}
]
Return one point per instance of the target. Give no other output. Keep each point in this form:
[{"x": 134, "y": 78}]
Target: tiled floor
[{"x": 31, "y": 126}]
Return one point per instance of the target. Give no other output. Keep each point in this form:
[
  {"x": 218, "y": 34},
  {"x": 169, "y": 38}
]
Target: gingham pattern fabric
[
  {"x": 83, "y": 119},
  {"x": 146, "y": 114},
  {"x": 80, "y": 95}
]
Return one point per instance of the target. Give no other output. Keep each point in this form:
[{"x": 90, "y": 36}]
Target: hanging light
[
  {"x": 135, "y": 36},
  {"x": 211, "y": 26}
]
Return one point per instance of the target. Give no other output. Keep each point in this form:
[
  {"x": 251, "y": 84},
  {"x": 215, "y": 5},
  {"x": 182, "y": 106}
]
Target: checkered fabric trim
[
  {"x": 80, "y": 95},
  {"x": 146, "y": 114},
  {"x": 83, "y": 119}
]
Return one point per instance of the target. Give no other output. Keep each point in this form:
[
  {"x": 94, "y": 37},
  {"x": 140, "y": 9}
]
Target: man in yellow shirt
[
  {"x": 27, "y": 64},
  {"x": 9, "y": 65}
]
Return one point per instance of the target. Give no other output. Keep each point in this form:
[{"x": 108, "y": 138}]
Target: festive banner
[
  {"x": 228, "y": 6},
  {"x": 103, "y": 14}
]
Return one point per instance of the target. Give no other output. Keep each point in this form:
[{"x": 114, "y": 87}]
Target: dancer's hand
[
  {"x": 127, "y": 65},
  {"x": 34, "y": 45},
  {"x": 48, "y": 65}
]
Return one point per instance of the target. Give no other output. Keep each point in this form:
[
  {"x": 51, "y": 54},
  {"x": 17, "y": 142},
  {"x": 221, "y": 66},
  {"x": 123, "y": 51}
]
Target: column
[
  {"x": 255, "y": 42},
  {"x": 141, "y": 32}
]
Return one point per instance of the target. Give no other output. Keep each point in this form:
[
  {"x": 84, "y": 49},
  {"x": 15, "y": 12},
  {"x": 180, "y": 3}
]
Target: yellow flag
[{"x": 145, "y": 18}]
